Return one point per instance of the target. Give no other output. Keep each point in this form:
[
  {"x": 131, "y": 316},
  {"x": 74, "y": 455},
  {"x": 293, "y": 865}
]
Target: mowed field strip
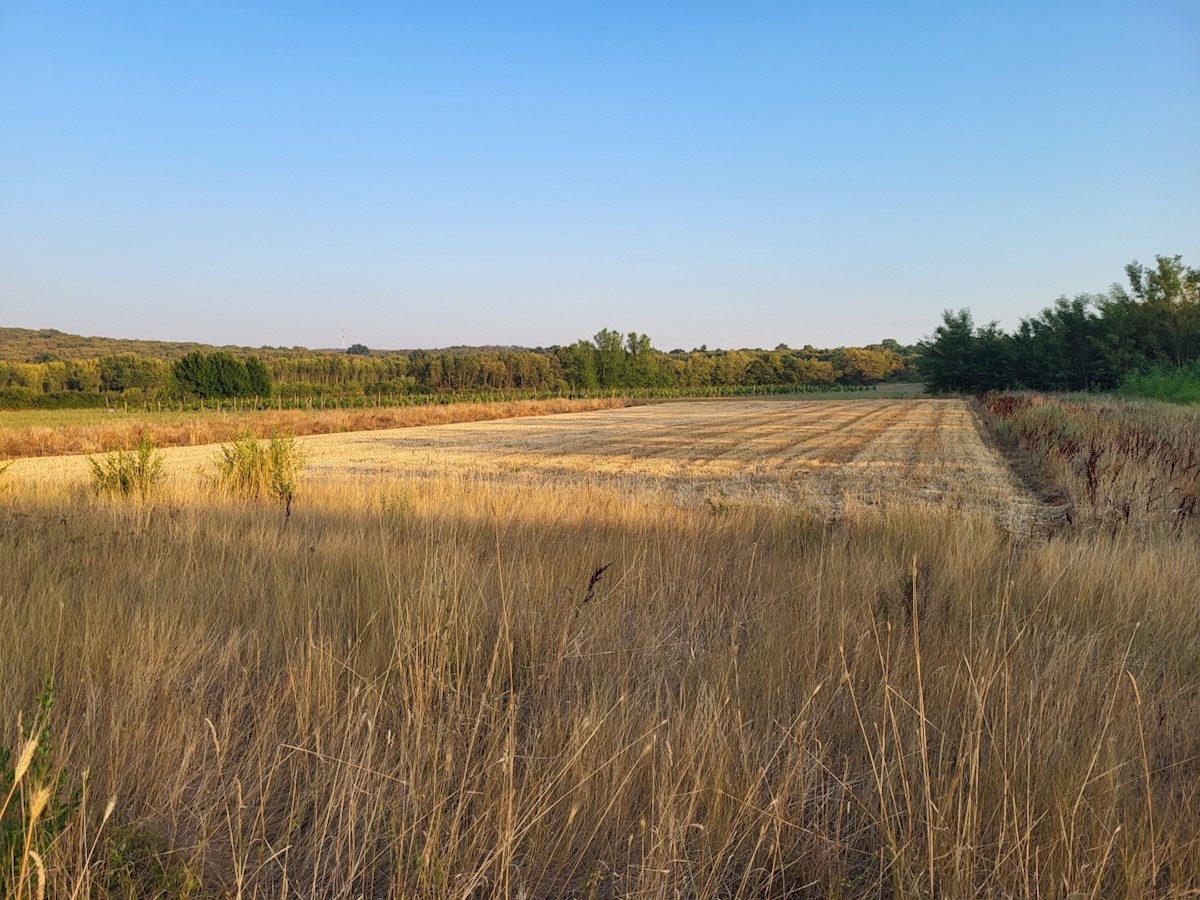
[{"x": 828, "y": 454}]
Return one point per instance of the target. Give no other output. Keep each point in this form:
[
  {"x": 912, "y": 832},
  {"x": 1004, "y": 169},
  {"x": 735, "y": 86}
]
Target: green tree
[
  {"x": 259, "y": 378},
  {"x": 610, "y": 358},
  {"x": 946, "y": 357},
  {"x": 641, "y": 361},
  {"x": 579, "y": 365},
  {"x": 861, "y": 365},
  {"x": 1167, "y": 309},
  {"x": 220, "y": 375}
]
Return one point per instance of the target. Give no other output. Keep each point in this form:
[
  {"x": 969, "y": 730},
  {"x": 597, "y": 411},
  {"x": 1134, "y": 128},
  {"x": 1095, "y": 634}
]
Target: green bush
[
  {"x": 127, "y": 473},
  {"x": 248, "y": 467},
  {"x": 1175, "y": 385}
]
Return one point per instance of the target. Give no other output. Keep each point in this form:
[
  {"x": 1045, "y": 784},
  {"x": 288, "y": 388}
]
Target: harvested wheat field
[{"x": 824, "y": 454}]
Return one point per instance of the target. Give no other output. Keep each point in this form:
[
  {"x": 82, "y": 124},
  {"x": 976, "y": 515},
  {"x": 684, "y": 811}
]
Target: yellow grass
[{"x": 416, "y": 687}]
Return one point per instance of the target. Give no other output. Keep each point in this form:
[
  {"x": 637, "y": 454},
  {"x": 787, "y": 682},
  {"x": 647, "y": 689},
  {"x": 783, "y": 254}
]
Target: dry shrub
[{"x": 1121, "y": 463}]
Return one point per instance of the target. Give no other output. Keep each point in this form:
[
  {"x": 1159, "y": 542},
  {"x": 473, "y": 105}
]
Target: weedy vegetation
[
  {"x": 128, "y": 473},
  {"x": 1118, "y": 462},
  {"x": 247, "y": 467},
  {"x": 465, "y": 685}
]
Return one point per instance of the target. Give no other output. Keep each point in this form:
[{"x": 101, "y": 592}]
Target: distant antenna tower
[{"x": 343, "y": 338}]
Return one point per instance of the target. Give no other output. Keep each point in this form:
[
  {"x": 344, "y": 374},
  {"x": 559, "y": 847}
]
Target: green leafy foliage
[
  {"x": 137, "y": 863},
  {"x": 611, "y": 361},
  {"x": 221, "y": 374},
  {"x": 128, "y": 473},
  {"x": 1180, "y": 385}
]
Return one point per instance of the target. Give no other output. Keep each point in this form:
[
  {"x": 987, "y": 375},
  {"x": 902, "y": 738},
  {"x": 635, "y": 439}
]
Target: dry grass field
[
  {"x": 824, "y": 455},
  {"x": 699, "y": 650}
]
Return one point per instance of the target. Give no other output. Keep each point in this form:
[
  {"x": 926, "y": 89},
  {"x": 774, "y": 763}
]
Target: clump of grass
[
  {"x": 128, "y": 472},
  {"x": 35, "y": 803},
  {"x": 247, "y": 467}
]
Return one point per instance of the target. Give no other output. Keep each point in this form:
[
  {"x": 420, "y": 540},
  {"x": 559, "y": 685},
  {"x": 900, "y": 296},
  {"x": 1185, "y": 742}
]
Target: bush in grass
[
  {"x": 1175, "y": 385},
  {"x": 249, "y": 467},
  {"x": 128, "y": 472}
]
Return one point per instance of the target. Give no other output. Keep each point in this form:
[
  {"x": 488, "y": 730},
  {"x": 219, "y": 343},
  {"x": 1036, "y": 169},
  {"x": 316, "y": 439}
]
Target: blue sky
[{"x": 736, "y": 174}]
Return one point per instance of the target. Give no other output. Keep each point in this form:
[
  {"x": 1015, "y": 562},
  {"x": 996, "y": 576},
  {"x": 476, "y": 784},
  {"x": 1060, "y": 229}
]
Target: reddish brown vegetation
[
  {"x": 1119, "y": 462},
  {"x": 190, "y": 429}
]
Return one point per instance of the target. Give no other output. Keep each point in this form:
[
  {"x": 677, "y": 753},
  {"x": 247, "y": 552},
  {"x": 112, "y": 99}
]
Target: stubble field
[
  {"x": 712, "y": 650},
  {"x": 822, "y": 455}
]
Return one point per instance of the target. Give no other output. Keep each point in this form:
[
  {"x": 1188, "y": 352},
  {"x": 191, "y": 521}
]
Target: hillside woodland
[{"x": 49, "y": 368}]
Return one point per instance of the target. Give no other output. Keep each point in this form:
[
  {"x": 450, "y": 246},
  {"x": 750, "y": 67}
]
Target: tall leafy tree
[
  {"x": 610, "y": 358},
  {"x": 947, "y": 358}
]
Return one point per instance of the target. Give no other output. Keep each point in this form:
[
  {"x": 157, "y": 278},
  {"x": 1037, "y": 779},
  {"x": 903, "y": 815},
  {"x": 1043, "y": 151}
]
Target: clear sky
[{"x": 729, "y": 174}]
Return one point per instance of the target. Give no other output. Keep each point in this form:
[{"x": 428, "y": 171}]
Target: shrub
[
  {"x": 128, "y": 472},
  {"x": 1175, "y": 385},
  {"x": 251, "y": 468}
]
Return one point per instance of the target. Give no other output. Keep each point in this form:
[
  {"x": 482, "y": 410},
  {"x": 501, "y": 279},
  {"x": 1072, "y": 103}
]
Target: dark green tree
[
  {"x": 947, "y": 358},
  {"x": 259, "y": 376}
]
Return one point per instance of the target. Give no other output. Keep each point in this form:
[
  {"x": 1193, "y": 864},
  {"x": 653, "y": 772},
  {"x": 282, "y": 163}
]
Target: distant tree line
[
  {"x": 1091, "y": 342},
  {"x": 610, "y": 361}
]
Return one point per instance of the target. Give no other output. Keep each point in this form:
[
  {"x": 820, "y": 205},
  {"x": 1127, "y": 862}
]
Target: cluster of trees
[
  {"x": 1091, "y": 342},
  {"x": 609, "y": 361},
  {"x": 117, "y": 373},
  {"x": 220, "y": 374},
  {"x": 198, "y": 374}
]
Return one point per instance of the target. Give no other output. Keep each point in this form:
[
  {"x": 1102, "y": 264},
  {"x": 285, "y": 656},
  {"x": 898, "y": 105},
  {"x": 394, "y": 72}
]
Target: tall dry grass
[
  {"x": 424, "y": 689},
  {"x": 189, "y": 429},
  {"x": 1116, "y": 462}
]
